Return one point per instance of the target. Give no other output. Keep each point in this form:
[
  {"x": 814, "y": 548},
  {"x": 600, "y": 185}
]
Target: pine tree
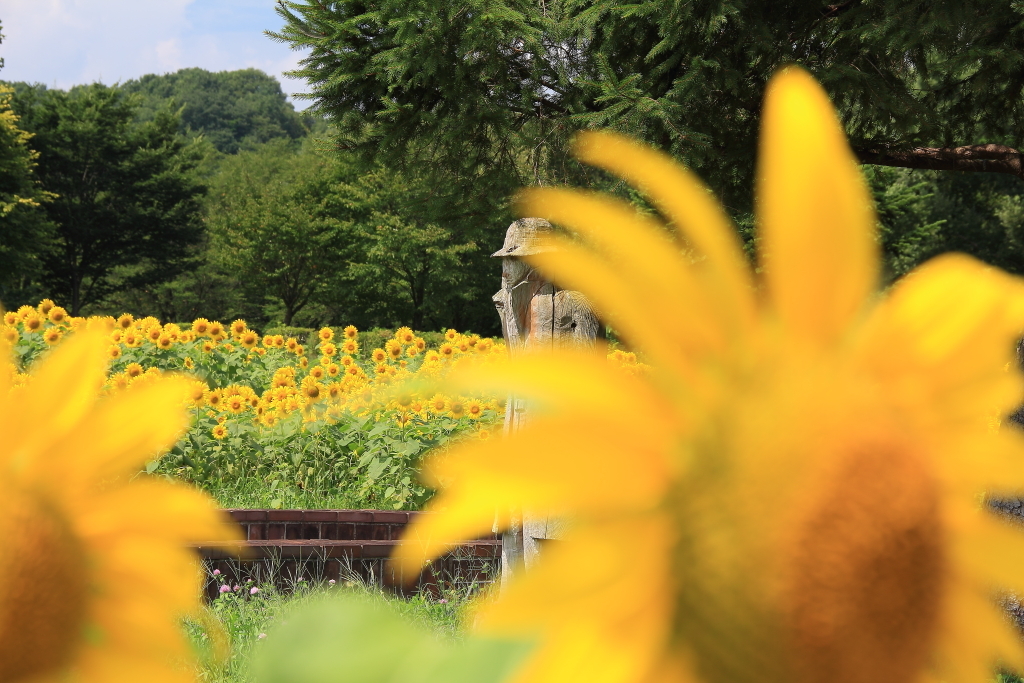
[{"x": 505, "y": 83}]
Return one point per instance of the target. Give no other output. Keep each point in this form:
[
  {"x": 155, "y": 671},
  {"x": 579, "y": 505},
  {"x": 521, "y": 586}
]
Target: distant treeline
[{"x": 206, "y": 194}]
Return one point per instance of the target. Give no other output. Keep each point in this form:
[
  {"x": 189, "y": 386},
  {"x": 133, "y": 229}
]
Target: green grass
[{"x": 242, "y": 618}]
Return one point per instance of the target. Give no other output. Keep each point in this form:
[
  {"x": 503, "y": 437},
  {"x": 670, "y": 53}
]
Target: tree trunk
[{"x": 971, "y": 158}]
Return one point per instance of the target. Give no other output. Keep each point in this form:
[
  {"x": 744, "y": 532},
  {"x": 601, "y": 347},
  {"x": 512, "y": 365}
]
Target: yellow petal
[
  {"x": 815, "y": 214},
  {"x": 640, "y": 249},
  {"x": 693, "y": 211}
]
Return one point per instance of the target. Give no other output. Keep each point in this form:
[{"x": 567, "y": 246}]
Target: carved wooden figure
[{"x": 535, "y": 313}]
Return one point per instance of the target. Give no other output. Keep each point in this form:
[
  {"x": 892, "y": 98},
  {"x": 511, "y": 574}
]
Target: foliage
[
  {"x": 248, "y": 619},
  {"x": 503, "y": 84},
  {"x": 907, "y": 229},
  {"x": 126, "y": 192},
  {"x": 322, "y": 238},
  {"x": 24, "y": 231},
  {"x": 270, "y": 218},
  {"x": 231, "y": 109},
  {"x": 379, "y": 645}
]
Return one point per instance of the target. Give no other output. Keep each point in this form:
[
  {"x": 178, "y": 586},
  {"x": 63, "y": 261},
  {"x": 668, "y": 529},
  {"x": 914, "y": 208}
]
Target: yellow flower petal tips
[
  {"x": 790, "y": 494},
  {"x": 95, "y": 572}
]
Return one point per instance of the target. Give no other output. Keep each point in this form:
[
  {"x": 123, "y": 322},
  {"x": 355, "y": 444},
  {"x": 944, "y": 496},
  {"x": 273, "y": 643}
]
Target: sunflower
[
  {"x": 32, "y": 323},
  {"x": 164, "y": 341},
  {"x": 350, "y": 347},
  {"x": 268, "y": 341},
  {"x": 310, "y": 388},
  {"x": 235, "y": 404},
  {"x": 451, "y": 335},
  {"x": 113, "y": 351},
  {"x": 131, "y": 339},
  {"x": 351, "y": 332},
  {"x": 57, "y": 315},
  {"x": 133, "y": 370},
  {"x": 11, "y": 318},
  {"x": 419, "y": 343},
  {"x": 447, "y": 350},
  {"x": 300, "y": 350},
  {"x": 328, "y": 349},
  {"x": 325, "y": 334},
  {"x": 412, "y": 352},
  {"x": 10, "y": 335},
  {"x": 77, "y": 522},
  {"x": 332, "y": 369},
  {"x": 317, "y": 372},
  {"x": 238, "y": 327},
  {"x": 45, "y": 305},
  {"x": 227, "y": 348},
  {"x": 379, "y": 355},
  {"x": 438, "y": 404},
  {"x": 457, "y": 408},
  {"x": 393, "y": 349},
  {"x": 52, "y": 336},
  {"x": 214, "y": 398},
  {"x": 405, "y": 335},
  {"x": 219, "y": 431},
  {"x": 803, "y": 463},
  {"x": 201, "y": 326},
  {"x": 189, "y": 363},
  {"x": 248, "y": 339},
  {"x": 474, "y": 409},
  {"x": 209, "y": 346},
  {"x": 278, "y": 341}
]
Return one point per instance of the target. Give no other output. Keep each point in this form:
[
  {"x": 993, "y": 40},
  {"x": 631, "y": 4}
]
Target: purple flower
[
  {"x": 332, "y": 582},
  {"x": 254, "y": 590},
  {"x": 216, "y": 572},
  {"x": 237, "y": 587},
  {"x": 225, "y": 588},
  {"x": 442, "y": 601}
]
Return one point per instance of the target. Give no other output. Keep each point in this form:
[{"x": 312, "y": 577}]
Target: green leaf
[{"x": 354, "y": 640}]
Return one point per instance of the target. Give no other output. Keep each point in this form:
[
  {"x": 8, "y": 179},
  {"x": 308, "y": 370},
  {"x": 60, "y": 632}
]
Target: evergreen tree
[
  {"x": 126, "y": 193},
  {"x": 919, "y": 84}
]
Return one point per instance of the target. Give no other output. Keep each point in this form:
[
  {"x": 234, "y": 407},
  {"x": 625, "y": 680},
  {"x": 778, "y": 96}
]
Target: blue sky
[{"x": 67, "y": 42}]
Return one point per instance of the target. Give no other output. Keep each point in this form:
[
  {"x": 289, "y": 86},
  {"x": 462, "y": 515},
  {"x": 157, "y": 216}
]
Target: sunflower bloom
[
  {"x": 76, "y": 528},
  {"x": 803, "y": 462}
]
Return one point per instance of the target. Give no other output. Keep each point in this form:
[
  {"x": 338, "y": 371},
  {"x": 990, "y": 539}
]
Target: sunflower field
[{"x": 287, "y": 422}]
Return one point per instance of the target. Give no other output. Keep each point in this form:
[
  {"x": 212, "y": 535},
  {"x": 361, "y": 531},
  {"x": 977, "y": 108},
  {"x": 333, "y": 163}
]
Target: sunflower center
[
  {"x": 865, "y": 572},
  {"x": 43, "y": 589}
]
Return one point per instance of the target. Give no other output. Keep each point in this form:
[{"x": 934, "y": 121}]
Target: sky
[{"x": 62, "y": 43}]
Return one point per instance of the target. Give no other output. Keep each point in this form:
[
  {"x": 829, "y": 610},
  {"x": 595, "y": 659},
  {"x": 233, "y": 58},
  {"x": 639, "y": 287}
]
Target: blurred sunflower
[
  {"x": 11, "y": 318},
  {"x": 379, "y": 355},
  {"x": 76, "y": 524},
  {"x": 215, "y": 331},
  {"x": 238, "y": 327},
  {"x": 802, "y": 465},
  {"x": 32, "y": 323},
  {"x": 133, "y": 370},
  {"x": 351, "y": 332},
  {"x": 249, "y": 339},
  {"x": 326, "y": 334},
  {"x": 405, "y": 335},
  {"x": 52, "y": 336},
  {"x": 350, "y": 347},
  {"x": 45, "y": 305},
  {"x": 125, "y": 321}
]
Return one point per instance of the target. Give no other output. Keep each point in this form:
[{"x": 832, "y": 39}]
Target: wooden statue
[{"x": 535, "y": 314}]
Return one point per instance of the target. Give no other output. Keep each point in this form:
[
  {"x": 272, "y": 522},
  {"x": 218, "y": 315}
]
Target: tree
[
  {"x": 229, "y": 108},
  {"x": 126, "y": 192},
  {"x": 931, "y": 85},
  {"x": 271, "y": 228},
  {"x": 408, "y": 267}
]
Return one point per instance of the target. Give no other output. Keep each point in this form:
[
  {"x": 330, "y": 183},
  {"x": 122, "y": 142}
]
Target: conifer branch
[{"x": 970, "y": 158}]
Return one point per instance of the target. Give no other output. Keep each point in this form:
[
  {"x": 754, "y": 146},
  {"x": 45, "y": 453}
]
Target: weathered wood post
[{"x": 535, "y": 314}]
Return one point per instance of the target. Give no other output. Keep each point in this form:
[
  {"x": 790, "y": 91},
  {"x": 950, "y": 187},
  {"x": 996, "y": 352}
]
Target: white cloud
[{"x": 67, "y": 42}]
